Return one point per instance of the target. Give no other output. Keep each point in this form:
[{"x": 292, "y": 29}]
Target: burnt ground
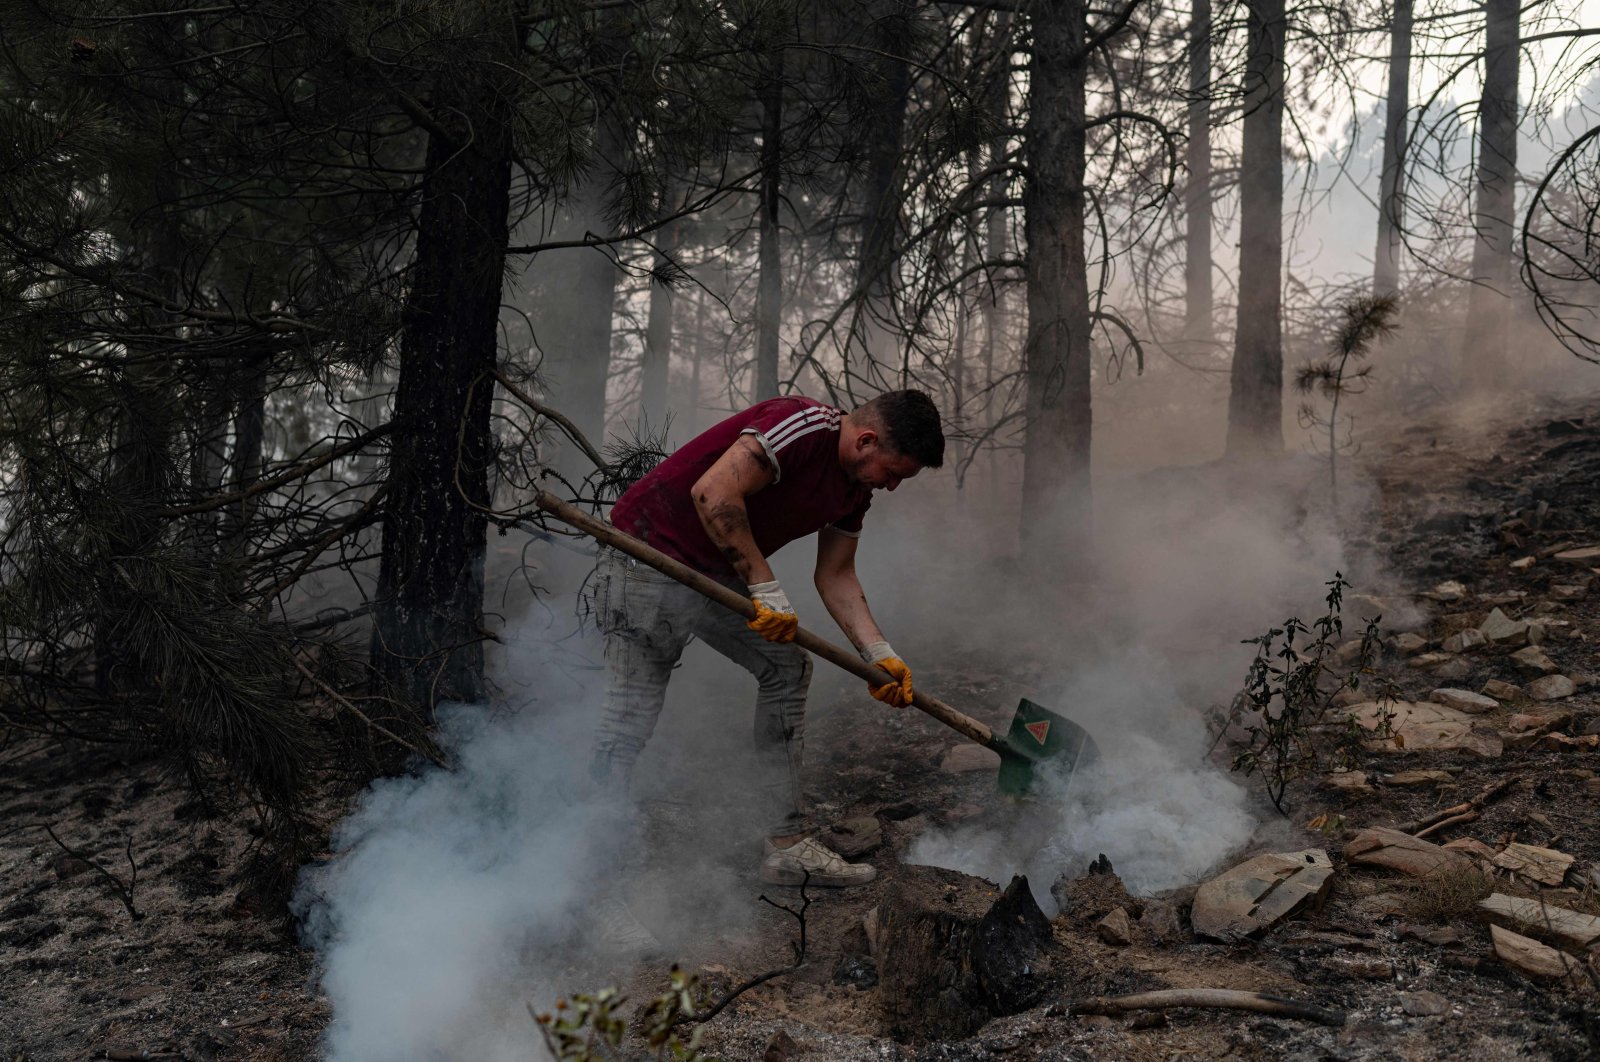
[{"x": 204, "y": 973}]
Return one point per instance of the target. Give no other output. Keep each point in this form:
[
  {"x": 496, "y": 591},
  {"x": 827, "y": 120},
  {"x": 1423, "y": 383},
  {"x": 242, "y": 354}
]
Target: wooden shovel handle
[{"x": 699, "y": 581}]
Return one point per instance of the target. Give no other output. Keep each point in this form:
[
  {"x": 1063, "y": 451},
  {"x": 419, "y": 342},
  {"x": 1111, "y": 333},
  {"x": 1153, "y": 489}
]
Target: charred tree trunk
[
  {"x": 1197, "y": 280},
  {"x": 429, "y": 611},
  {"x": 1255, "y": 401},
  {"x": 1489, "y": 307},
  {"x": 1055, "y": 469},
  {"x": 769, "y": 289},
  {"x": 1392, "y": 184}
]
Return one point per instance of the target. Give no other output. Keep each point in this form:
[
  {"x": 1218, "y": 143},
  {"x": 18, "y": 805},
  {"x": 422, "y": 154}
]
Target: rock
[
  {"x": 780, "y": 1048},
  {"x": 1416, "y": 725},
  {"x": 1551, "y": 688},
  {"x": 1115, "y": 928},
  {"x": 1544, "y": 865},
  {"x": 1429, "y": 660},
  {"x": 1559, "y": 742},
  {"x": 1424, "y": 1004},
  {"x": 1500, "y": 629},
  {"x": 1538, "y": 722},
  {"x": 1365, "y": 968},
  {"x": 1463, "y": 700},
  {"x": 1529, "y": 915},
  {"x": 1501, "y": 690},
  {"x": 1409, "y": 644},
  {"x": 1471, "y": 846},
  {"x": 1568, "y": 592},
  {"x": 1396, "y": 614},
  {"x": 1439, "y": 937},
  {"x": 1159, "y": 923},
  {"x": 1446, "y": 592},
  {"x": 1407, "y": 779},
  {"x": 1532, "y": 661},
  {"x": 969, "y": 757},
  {"x": 1455, "y": 669},
  {"x": 1464, "y": 641},
  {"x": 1348, "y": 652},
  {"x": 1260, "y": 892},
  {"x": 1585, "y": 555},
  {"x": 69, "y": 866},
  {"x": 1353, "y": 783},
  {"x": 1536, "y": 632},
  {"x": 1394, "y": 850},
  {"x": 1522, "y": 564},
  {"x": 1529, "y": 956},
  {"x": 855, "y": 837}
]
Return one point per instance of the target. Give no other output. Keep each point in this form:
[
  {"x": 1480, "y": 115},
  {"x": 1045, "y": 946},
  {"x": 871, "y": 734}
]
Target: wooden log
[{"x": 952, "y": 955}]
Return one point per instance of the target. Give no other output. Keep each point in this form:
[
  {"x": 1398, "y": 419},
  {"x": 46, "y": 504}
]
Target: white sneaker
[{"x": 810, "y": 862}]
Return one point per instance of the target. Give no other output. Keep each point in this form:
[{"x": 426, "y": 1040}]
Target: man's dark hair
[{"x": 910, "y": 423}]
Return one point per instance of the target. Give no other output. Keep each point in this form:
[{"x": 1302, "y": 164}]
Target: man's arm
[
  {"x": 719, "y": 501},
  {"x": 847, "y": 604},
  {"x": 841, "y": 590}
]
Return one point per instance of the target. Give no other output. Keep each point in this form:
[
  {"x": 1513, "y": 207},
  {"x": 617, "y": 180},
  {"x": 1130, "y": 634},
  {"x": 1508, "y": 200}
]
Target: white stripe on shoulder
[
  {"x": 807, "y": 430},
  {"x": 791, "y": 419},
  {"x": 816, "y": 416},
  {"x": 792, "y": 424}
]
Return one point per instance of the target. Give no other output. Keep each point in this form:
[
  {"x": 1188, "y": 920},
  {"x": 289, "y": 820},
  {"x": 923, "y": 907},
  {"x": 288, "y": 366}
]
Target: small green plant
[
  {"x": 1286, "y": 700},
  {"x": 587, "y": 1028}
]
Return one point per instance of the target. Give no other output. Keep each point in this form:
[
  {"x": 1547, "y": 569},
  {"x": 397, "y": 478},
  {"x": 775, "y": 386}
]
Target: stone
[
  {"x": 1424, "y": 1004},
  {"x": 1348, "y": 652},
  {"x": 1409, "y": 644},
  {"x": 1407, "y": 779},
  {"x": 67, "y": 866},
  {"x": 1551, "y": 688},
  {"x": 1396, "y": 614},
  {"x": 1538, "y": 722},
  {"x": 969, "y": 757},
  {"x": 1522, "y": 564},
  {"x": 1501, "y": 690},
  {"x": 1533, "y": 661},
  {"x": 1464, "y": 641},
  {"x": 1416, "y": 725},
  {"x": 1568, "y": 592},
  {"x": 856, "y": 837},
  {"x": 1393, "y": 850},
  {"x": 1471, "y": 846},
  {"x": 1259, "y": 893},
  {"x": 1463, "y": 700},
  {"x": 780, "y": 1048},
  {"x": 1559, "y": 742},
  {"x": 1455, "y": 669},
  {"x": 1571, "y": 928},
  {"x": 1584, "y": 555},
  {"x": 1529, "y": 957},
  {"x": 1536, "y": 632},
  {"x": 1438, "y": 936},
  {"x": 1544, "y": 865},
  {"x": 1159, "y": 923},
  {"x": 1429, "y": 660},
  {"x": 1115, "y": 928},
  {"x": 1446, "y": 592},
  {"x": 1353, "y": 783},
  {"x": 1500, "y": 629}
]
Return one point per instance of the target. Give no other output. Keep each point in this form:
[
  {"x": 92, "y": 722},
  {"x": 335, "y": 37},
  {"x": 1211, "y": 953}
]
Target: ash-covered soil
[{"x": 204, "y": 973}]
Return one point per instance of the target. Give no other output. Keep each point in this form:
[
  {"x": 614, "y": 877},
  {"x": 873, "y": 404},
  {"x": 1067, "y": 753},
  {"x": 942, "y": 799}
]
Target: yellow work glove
[
  {"x": 775, "y": 619},
  {"x": 898, "y": 692}
]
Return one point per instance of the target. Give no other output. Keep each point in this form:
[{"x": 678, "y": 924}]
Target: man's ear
[{"x": 866, "y": 439}]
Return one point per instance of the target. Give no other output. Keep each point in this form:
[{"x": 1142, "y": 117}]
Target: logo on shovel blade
[{"x": 1039, "y": 730}]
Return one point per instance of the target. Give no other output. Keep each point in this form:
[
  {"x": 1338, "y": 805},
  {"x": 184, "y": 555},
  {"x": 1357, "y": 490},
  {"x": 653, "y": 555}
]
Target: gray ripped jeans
[{"x": 647, "y": 620}]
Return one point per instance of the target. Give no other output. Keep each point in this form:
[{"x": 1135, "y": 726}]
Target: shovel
[{"x": 1036, "y": 736}]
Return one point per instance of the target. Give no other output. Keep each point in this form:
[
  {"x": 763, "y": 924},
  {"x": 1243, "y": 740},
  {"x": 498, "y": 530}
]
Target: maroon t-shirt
[{"x": 810, "y": 492}]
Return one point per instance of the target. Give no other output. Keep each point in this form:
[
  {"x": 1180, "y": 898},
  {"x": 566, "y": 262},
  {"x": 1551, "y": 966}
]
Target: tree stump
[{"x": 951, "y": 955}]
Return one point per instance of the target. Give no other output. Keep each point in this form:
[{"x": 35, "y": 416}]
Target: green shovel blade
[{"x": 1038, "y": 736}]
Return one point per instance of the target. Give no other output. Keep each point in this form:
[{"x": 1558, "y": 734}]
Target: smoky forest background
[{"x": 302, "y": 302}]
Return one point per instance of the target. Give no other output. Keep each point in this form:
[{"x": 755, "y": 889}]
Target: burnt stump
[{"x": 954, "y": 952}]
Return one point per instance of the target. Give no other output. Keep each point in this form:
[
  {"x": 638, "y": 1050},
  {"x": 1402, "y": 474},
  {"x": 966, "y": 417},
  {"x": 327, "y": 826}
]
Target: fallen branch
[
  {"x": 1212, "y": 999},
  {"x": 349, "y": 706},
  {"x": 1489, "y": 792},
  {"x": 1442, "y": 824},
  {"x": 797, "y": 946},
  {"x": 124, "y": 892}
]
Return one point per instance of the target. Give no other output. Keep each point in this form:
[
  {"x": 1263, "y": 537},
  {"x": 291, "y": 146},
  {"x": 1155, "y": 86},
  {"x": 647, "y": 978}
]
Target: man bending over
[{"x": 723, "y": 503}]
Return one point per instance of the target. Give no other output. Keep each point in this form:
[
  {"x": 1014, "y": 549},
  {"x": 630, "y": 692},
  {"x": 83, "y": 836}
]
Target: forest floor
[{"x": 204, "y": 973}]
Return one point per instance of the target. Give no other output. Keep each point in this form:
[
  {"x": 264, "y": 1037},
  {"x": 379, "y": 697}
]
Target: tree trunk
[
  {"x": 1197, "y": 279},
  {"x": 769, "y": 289},
  {"x": 1489, "y": 307},
  {"x": 429, "y": 610},
  {"x": 1055, "y": 469},
  {"x": 1392, "y": 184},
  {"x": 655, "y": 371},
  {"x": 1255, "y": 402},
  {"x": 880, "y": 221}
]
